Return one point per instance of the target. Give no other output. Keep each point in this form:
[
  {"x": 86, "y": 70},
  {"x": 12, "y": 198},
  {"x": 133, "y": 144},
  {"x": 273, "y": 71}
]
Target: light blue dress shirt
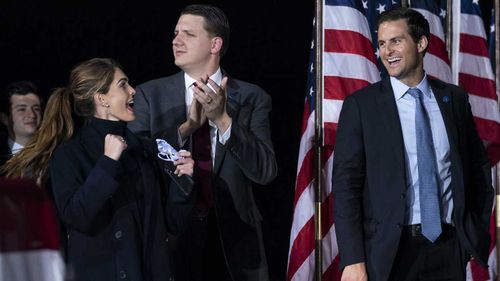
[{"x": 406, "y": 109}]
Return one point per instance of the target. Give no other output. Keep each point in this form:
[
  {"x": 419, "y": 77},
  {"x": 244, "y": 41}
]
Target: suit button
[
  {"x": 118, "y": 234},
  {"x": 122, "y": 274},
  {"x": 171, "y": 279},
  {"x": 166, "y": 240},
  {"x": 400, "y": 225},
  {"x": 403, "y": 196}
]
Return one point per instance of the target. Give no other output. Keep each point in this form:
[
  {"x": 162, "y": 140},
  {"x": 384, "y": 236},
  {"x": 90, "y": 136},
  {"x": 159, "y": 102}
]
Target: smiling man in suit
[
  {"x": 411, "y": 179},
  {"x": 225, "y": 122}
]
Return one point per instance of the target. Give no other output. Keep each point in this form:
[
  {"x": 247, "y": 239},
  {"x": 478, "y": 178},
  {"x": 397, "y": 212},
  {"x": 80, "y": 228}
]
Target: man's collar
[
  {"x": 216, "y": 77},
  {"x": 14, "y": 146},
  {"x": 399, "y": 88}
]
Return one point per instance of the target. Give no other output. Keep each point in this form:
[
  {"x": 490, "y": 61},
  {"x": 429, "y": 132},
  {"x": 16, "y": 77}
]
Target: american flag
[
  {"x": 29, "y": 233},
  {"x": 491, "y": 39},
  {"x": 372, "y": 9},
  {"x": 475, "y": 75},
  {"x": 350, "y": 63},
  {"x": 436, "y": 61}
]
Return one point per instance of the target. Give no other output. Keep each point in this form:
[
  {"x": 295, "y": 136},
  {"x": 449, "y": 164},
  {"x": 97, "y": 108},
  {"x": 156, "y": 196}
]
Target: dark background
[{"x": 269, "y": 46}]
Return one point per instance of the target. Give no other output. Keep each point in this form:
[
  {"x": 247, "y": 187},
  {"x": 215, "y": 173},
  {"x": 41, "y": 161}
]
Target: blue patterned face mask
[{"x": 166, "y": 151}]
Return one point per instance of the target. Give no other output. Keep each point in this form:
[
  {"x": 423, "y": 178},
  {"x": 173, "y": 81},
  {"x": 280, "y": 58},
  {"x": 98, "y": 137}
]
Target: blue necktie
[{"x": 427, "y": 170}]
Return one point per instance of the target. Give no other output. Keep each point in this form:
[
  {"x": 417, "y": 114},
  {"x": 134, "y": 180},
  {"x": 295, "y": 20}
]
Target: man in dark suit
[
  {"x": 224, "y": 241},
  {"x": 411, "y": 179}
]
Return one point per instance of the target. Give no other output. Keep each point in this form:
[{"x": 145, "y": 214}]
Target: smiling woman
[
  {"x": 105, "y": 183},
  {"x": 106, "y": 186},
  {"x": 117, "y": 104}
]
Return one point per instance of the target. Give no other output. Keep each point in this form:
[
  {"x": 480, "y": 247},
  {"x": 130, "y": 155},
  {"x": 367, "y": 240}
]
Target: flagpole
[
  {"x": 318, "y": 141},
  {"x": 497, "y": 48},
  {"x": 497, "y": 80},
  {"x": 448, "y": 28},
  {"x": 454, "y": 11}
]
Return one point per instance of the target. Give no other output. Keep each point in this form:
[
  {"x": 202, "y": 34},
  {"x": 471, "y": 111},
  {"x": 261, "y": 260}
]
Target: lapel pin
[{"x": 446, "y": 99}]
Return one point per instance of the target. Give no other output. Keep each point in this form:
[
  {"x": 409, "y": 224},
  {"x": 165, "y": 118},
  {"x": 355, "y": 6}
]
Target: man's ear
[
  {"x": 422, "y": 44},
  {"x": 216, "y": 45}
]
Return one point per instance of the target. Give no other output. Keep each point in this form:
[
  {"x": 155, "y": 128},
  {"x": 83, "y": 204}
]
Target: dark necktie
[
  {"x": 203, "y": 165},
  {"x": 427, "y": 170}
]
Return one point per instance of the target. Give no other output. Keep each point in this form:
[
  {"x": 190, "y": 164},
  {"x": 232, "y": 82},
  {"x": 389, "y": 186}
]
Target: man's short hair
[
  {"x": 16, "y": 88},
  {"x": 216, "y": 22},
  {"x": 418, "y": 26}
]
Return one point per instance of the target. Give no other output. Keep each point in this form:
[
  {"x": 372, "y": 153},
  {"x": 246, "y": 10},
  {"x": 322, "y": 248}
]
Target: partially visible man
[
  {"x": 411, "y": 179},
  {"x": 21, "y": 114},
  {"x": 225, "y": 122}
]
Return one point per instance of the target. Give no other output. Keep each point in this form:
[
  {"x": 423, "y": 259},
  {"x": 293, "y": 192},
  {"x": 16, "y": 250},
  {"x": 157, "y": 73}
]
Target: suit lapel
[
  {"x": 170, "y": 108},
  {"x": 178, "y": 88},
  {"x": 392, "y": 125},
  {"x": 389, "y": 110},
  {"x": 232, "y": 108},
  {"x": 444, "y": 100}
]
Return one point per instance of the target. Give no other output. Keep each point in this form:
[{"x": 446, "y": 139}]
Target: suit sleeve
[
  {"x": 141, "y": 125},
  {"x": 480, "y": 171},
  {"x": 178, "y": 209},
  {"x": 252, "y": 146},
  {"x": 81, "y": 198},
  {"x": 347, "y": 184}
]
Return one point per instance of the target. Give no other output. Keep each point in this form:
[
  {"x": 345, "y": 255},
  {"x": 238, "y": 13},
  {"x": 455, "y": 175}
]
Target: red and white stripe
[
  {"x": 29, "y": 234},
  {"x": 436, "y": 61},
  {"x": 349, "y": 64},
  {"x": 476, "y": 76}
]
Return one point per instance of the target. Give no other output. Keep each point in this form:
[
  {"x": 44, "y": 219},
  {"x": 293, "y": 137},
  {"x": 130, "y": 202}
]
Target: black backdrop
[{"x": 270, "y": 39}]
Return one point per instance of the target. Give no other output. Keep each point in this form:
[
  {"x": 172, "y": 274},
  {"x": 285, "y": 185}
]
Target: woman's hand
[
  {"x": 114, "y": 145},
  {"x": 185, "y": 165}
]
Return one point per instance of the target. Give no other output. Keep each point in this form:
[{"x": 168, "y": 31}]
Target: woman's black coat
[{"x": 116, "y": 231}]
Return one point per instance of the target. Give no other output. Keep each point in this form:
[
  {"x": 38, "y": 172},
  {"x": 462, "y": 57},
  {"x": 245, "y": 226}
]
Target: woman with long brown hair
[
  {"x": 105, "y": 185},
  {"x": 32, "y": 161}
]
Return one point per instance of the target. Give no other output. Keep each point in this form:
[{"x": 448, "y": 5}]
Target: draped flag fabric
[
  {"x": 436, "y": 61},
  {"x": 350, "y": 63},
  {"x": 476, "y": 75},
  {"x": 29, "y": 234},
  {"x": 372, "y": 9}
]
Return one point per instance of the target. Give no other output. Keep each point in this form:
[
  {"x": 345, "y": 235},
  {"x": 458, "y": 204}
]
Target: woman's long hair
[{"x": 58, "y": 124}]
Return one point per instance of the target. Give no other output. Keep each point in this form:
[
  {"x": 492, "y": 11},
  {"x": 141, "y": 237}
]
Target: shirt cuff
[
  {"x": 227, "y": 134},
  {"x": 180, "y": 141}
]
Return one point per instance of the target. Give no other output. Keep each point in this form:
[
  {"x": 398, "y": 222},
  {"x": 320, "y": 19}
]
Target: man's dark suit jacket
[
  {"x": 369, "y": 177},
  {"x": 246, "y": 158}
]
